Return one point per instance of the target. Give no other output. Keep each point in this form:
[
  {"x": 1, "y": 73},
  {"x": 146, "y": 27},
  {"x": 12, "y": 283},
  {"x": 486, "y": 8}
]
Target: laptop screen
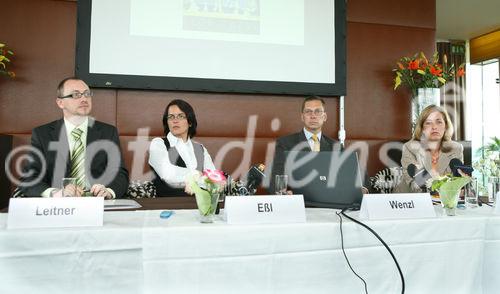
[{"x": 326, "y": 179}]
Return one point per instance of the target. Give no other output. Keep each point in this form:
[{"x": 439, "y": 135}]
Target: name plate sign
[
  {"x": 55, "y": 212},
  {"x": 266, "y": 209},
  {"x": 397, "y": 206}
]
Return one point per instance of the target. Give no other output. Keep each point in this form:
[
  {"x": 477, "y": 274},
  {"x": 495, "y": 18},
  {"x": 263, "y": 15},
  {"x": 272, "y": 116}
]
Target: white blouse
[{"x": 169, "y": 172}]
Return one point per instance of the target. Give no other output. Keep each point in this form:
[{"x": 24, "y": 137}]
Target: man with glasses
[
  {"x": 310, "y": 138},
  {"x": 77, "y": 147}
]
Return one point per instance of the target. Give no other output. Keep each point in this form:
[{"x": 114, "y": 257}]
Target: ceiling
[{"x": 466, "y": 19}]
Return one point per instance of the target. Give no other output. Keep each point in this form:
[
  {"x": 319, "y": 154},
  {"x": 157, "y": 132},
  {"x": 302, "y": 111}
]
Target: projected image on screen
[
  {"x": 235, "y": 16},
  {"x": 280, "y": 41},
  {"x": 281, "y": 21}
]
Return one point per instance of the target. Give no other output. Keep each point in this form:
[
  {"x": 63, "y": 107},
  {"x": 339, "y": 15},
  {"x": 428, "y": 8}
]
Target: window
[{"x": 483, "y": 104}]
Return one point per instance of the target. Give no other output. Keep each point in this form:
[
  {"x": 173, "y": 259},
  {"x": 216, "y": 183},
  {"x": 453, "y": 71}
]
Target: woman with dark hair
[
  {"x": 175, "y": 156},
  {"x": 431, "y": 148}
]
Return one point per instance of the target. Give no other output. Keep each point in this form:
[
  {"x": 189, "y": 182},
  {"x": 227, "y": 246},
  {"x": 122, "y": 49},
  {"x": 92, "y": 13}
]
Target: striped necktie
[
  {"x": 316, "y": 143},
  {"x": 77, "y": 158}
]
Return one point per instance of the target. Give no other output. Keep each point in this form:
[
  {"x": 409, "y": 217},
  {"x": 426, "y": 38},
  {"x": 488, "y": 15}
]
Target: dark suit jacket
[
  {"x": 52, "y": 163},
  {"x": 296, "y": 142}
]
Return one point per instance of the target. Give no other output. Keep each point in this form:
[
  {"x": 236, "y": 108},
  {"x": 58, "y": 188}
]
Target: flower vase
[
  {"x": 449, "y": 200},
  {"x": 423, "y": 98},
  {"x": 493, "y": 190},
  {"x": 207, "y": 204}
]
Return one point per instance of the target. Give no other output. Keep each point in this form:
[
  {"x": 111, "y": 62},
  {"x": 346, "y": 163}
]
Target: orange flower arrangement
[{"x": 417, "y": 72}]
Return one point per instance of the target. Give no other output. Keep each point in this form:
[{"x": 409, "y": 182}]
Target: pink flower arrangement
[
  {"x": 211, "y": 181},
  {"x": 214, "y": 180},
  {"x": 207, "y": 189}
]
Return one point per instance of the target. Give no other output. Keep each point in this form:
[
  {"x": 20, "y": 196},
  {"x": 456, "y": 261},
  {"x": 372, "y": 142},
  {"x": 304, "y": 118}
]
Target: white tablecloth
[{"x": 137, "y": 252}]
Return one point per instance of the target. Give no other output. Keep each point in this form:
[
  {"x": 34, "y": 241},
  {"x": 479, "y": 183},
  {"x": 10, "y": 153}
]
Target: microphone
[
  {"x": 254, "y": 177},
  {"x": 420, "y": 176},
  {"x": 456, "y": 164},
  {"x": 411, "y": 170}
]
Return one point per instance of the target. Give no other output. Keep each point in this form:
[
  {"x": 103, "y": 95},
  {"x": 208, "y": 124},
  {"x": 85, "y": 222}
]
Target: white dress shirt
[
  {"x": 170, "y": 173},
  {"x": 309, "y": 138}
]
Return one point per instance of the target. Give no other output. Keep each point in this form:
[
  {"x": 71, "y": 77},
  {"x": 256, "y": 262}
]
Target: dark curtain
[{"x": 453, "y": 92}]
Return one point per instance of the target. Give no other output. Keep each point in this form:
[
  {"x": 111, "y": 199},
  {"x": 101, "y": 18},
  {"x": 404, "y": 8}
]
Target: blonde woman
[{"x": 430, "y": 150}]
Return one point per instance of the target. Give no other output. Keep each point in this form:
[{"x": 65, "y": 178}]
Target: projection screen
[{"x": 244, "y": 46}]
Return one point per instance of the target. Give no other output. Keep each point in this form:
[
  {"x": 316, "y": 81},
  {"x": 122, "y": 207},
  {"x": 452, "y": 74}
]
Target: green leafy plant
[
  {"x": 418, "y": 72},
  {"x": 5, "y": 55},
  {"x": 448, "y": 187},
  {"x": 489, "y": 163},
  {"x": 449, "y": 182}
]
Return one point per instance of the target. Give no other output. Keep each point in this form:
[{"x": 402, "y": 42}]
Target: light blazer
[
  {"x": 57, "y": 158},
  {"x": 414, "y": 153},
  {"x": 296, "y": 142}
]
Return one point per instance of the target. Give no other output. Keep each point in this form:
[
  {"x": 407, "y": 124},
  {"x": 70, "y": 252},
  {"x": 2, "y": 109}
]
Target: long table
[{"x": 138, "y": 252}]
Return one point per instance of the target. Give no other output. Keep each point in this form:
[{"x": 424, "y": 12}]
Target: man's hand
[
  {"x": 70, "y": 191},
  {"x": 100, "y": 191}
]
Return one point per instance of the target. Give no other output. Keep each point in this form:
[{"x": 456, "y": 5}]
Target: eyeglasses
[
  {"x": 180, "y": 116},
  {"x": 78, "y": 95},
  {"x": 310, "y": 112}
]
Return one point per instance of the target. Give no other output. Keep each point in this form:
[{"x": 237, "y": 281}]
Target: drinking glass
[
  {"x": 68, "y": 182},
  {"x": 281, "y": 184},
  {"x": 470, "y": 193},
  {"x": 494, "y": 190}
]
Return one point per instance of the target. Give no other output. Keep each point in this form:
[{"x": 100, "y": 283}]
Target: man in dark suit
[
  {"x": 310, "y": 138},
  {"x": 76, "y": 146}
]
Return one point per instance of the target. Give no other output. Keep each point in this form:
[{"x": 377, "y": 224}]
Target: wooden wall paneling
[
  {"x": 219, "y": 114},
  {"x": 485, "y": 47},
  {"x": 42, "y": 35},
  {"x": 104, "y": 105},
  {"x": 372, "y": 53},
  {"x": 393, "y": 12}
]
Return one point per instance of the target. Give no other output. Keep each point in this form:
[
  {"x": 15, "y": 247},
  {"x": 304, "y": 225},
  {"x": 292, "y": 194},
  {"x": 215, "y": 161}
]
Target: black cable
[
  {"x": 383, "y": 243},
  {"x": 345, "y": 255}
]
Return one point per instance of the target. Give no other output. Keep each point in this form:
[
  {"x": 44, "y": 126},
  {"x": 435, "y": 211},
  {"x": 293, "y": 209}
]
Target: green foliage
[
  {"x": 5, "y": 60},
  {"x": 489, "y": 163},
  {"x": 449, "y": 182},
  {"x": 493, "y": 146},
  {"x": 448, "y": 187}
]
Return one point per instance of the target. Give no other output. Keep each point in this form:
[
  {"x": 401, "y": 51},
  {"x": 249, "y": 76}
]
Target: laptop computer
[{"x": 326, "y": 179}]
